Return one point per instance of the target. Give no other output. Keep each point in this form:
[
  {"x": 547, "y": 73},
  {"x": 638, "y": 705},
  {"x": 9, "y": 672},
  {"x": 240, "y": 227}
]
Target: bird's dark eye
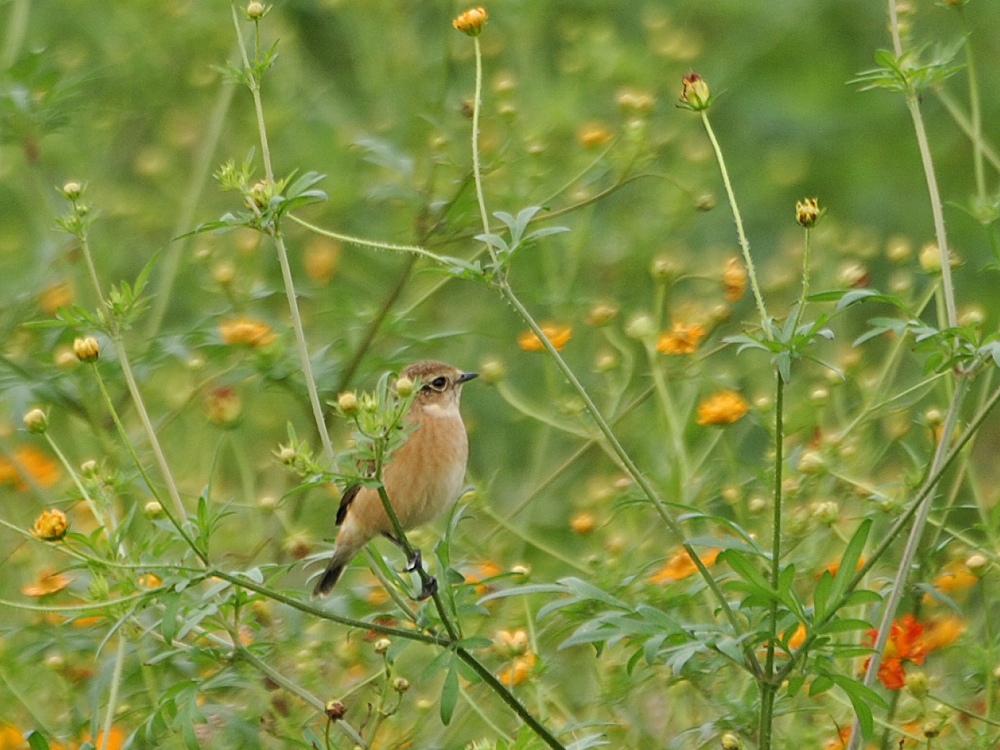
[{"x": 439, "y": 383}]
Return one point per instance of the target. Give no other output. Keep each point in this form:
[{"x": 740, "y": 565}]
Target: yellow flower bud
[
  {"x": 807, "y": 212},
  {"x": 51, "y": 525},
  {"x": 347, "y": 403},
  {"x": 72, "y": 190},
  {"x": 404, "y": 387},
  {"x": 86, "y": 349},
  {"x": 36, "y": 420},
  {"x": 695, "y": 94},
  {"x": 471, "y": 22}
]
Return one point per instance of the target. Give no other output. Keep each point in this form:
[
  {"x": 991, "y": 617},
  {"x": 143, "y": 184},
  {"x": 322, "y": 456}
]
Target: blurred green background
[{"x": 129, "y": 98}]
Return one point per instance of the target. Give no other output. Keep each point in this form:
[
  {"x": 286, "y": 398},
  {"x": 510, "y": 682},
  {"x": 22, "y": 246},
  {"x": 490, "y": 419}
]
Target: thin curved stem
[
  {"x": 302, "y": 347},
  {"x": 744, "y": 243}
]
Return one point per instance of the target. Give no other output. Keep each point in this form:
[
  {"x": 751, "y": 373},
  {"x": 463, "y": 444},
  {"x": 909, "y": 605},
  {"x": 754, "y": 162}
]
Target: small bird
[{"x": 421, "y": 477}]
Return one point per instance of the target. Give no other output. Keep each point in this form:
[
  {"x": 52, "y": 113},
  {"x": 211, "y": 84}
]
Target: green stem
[
  {"x": 510, "y": 699},
  {"x": 744, "y": 244},
  {"x": 301, "y": 606},
  {"x": 110, "y": 523},
  {"x": 176, "y": 517},
  {"x": 453, "y": 630},
  {"x": 116, "y": 679},
  {"x": 300, "y": 343},
  {"x": 192, "y": 198},
  {"x": 507, "y": 293},
  {"x": 673, "y": 420},
  {"x": 974, "y": 113},
  {"x": 253, "y": 83},
  {"x": 768, "y": 687},
  {"x": 475, "y": 151},
  {"x": 362, "y": 242},
  {"x": 913, "y": 104},
  {"x": 890, "y": 536},
  {"x": 805, "y": 282}
]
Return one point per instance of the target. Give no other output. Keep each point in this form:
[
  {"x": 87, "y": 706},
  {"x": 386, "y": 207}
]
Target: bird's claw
[
  {"x": 414, "y": 562},
  {"x": 429, "y": 588}
]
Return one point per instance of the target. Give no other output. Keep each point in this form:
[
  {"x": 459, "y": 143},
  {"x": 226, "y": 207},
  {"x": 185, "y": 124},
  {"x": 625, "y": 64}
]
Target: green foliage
[{"x": 570, "y": 610}]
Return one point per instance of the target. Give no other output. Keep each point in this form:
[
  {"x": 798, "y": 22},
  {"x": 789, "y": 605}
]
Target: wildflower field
[{"x": 727, "y": 272}]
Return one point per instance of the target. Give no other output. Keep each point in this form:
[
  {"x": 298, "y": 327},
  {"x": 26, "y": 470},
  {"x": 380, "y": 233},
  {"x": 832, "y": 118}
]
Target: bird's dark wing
[{"x": 345, "y": 501}]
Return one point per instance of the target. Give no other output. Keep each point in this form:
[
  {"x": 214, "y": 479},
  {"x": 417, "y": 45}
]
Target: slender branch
[
  {"x": 744, "y": 244},
  {"x": 890, "y": 536},
  {"x": 116, "y": 680},
  {"x": 507, "y": 293},
  {"x": 475, "y": 150},
  {"x": 253, "y": 83},
  {"x": 301, "y": 346},
  {"x": 510, "y": 699},
  {"x": 916, "y": 532}
]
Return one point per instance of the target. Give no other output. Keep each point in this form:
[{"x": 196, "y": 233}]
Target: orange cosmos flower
[
  {"x": 734, "y": 279},
  {"x": 481, "y": 571},
  {"x": 680, "y": 565},
  {"x": 555, "y": 334},
  {"x": 940, "y": 632},
  {"x": 51, "y": 525},
  {"x": 954, "y": 577},
  {"x": 471, "y": 22},
  {"x": 29, "y": 461},
  {"x": 518, "y": 670},
  {"x": 245, "y": 330},
  {"x": 682, "y": 339},
  {"x": 725, "y": 407},
  {"x": 904, "y": 644},
  {"x": 48, "y": 582}
]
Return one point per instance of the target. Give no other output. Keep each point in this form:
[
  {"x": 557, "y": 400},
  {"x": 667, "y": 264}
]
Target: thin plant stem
[
  {"x": 192, "y": 197},
  {"x": 805, "y": 282},
  {"x": 110, "y": 523},
  {"x": 767, "y": 686},
  {"x": 744, "y": 244},
  {"x": 176, "y": 519},
  {"x": 305, "y": 607},
  {"x": 510, "y": 699},
  {"x": 508, "y": 295},
  {"x": 913, "y": 104},
  {"x": 974, "y": 114},
  {"x": 477, "y": 103},
  {"x": 116, "y": 679},
  {"x": 673, "y": 419},
  {"x": 253, "y": 83},
  {"x": 916, "y": 532},
  {"x": 362, "y": 242},
  {"x": 930, "y": 483},
  {"x": 147, "y": 426},
  {"x": 30, "y": 706},
  {"x": 962, "y": 120},
  {"x": 300, "y": 344}
]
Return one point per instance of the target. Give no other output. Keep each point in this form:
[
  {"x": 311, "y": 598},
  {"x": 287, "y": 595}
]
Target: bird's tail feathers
[{"x": 332, "y": 573}]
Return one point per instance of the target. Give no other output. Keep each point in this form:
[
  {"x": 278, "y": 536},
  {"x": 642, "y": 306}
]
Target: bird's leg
[
  {"x": 429, "y": 588},
  {"x": 412, "y": 561},
  {"x": 415, "y": 562}
]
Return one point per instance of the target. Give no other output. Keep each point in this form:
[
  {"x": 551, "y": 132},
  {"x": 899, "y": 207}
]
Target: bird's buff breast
[{"x": 426, "y": 473}]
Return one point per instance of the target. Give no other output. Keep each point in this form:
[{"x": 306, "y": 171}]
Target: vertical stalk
[
  {"x": 768, "y": 688},
  {"x": 913, "y": 104},
  {"x": 475, "y": 151},
  {"x": 765, "y": 321},
  {"x": 300, "y": 343},
  {"x": 912, "y": 542},
  {"x": 116, "y": 679},
  {"x": 805, "y": 281},
  {"x": 253, "y": 83}
]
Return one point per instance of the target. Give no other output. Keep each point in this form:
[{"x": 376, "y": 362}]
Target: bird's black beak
[{"x": 467, "y": 376}]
